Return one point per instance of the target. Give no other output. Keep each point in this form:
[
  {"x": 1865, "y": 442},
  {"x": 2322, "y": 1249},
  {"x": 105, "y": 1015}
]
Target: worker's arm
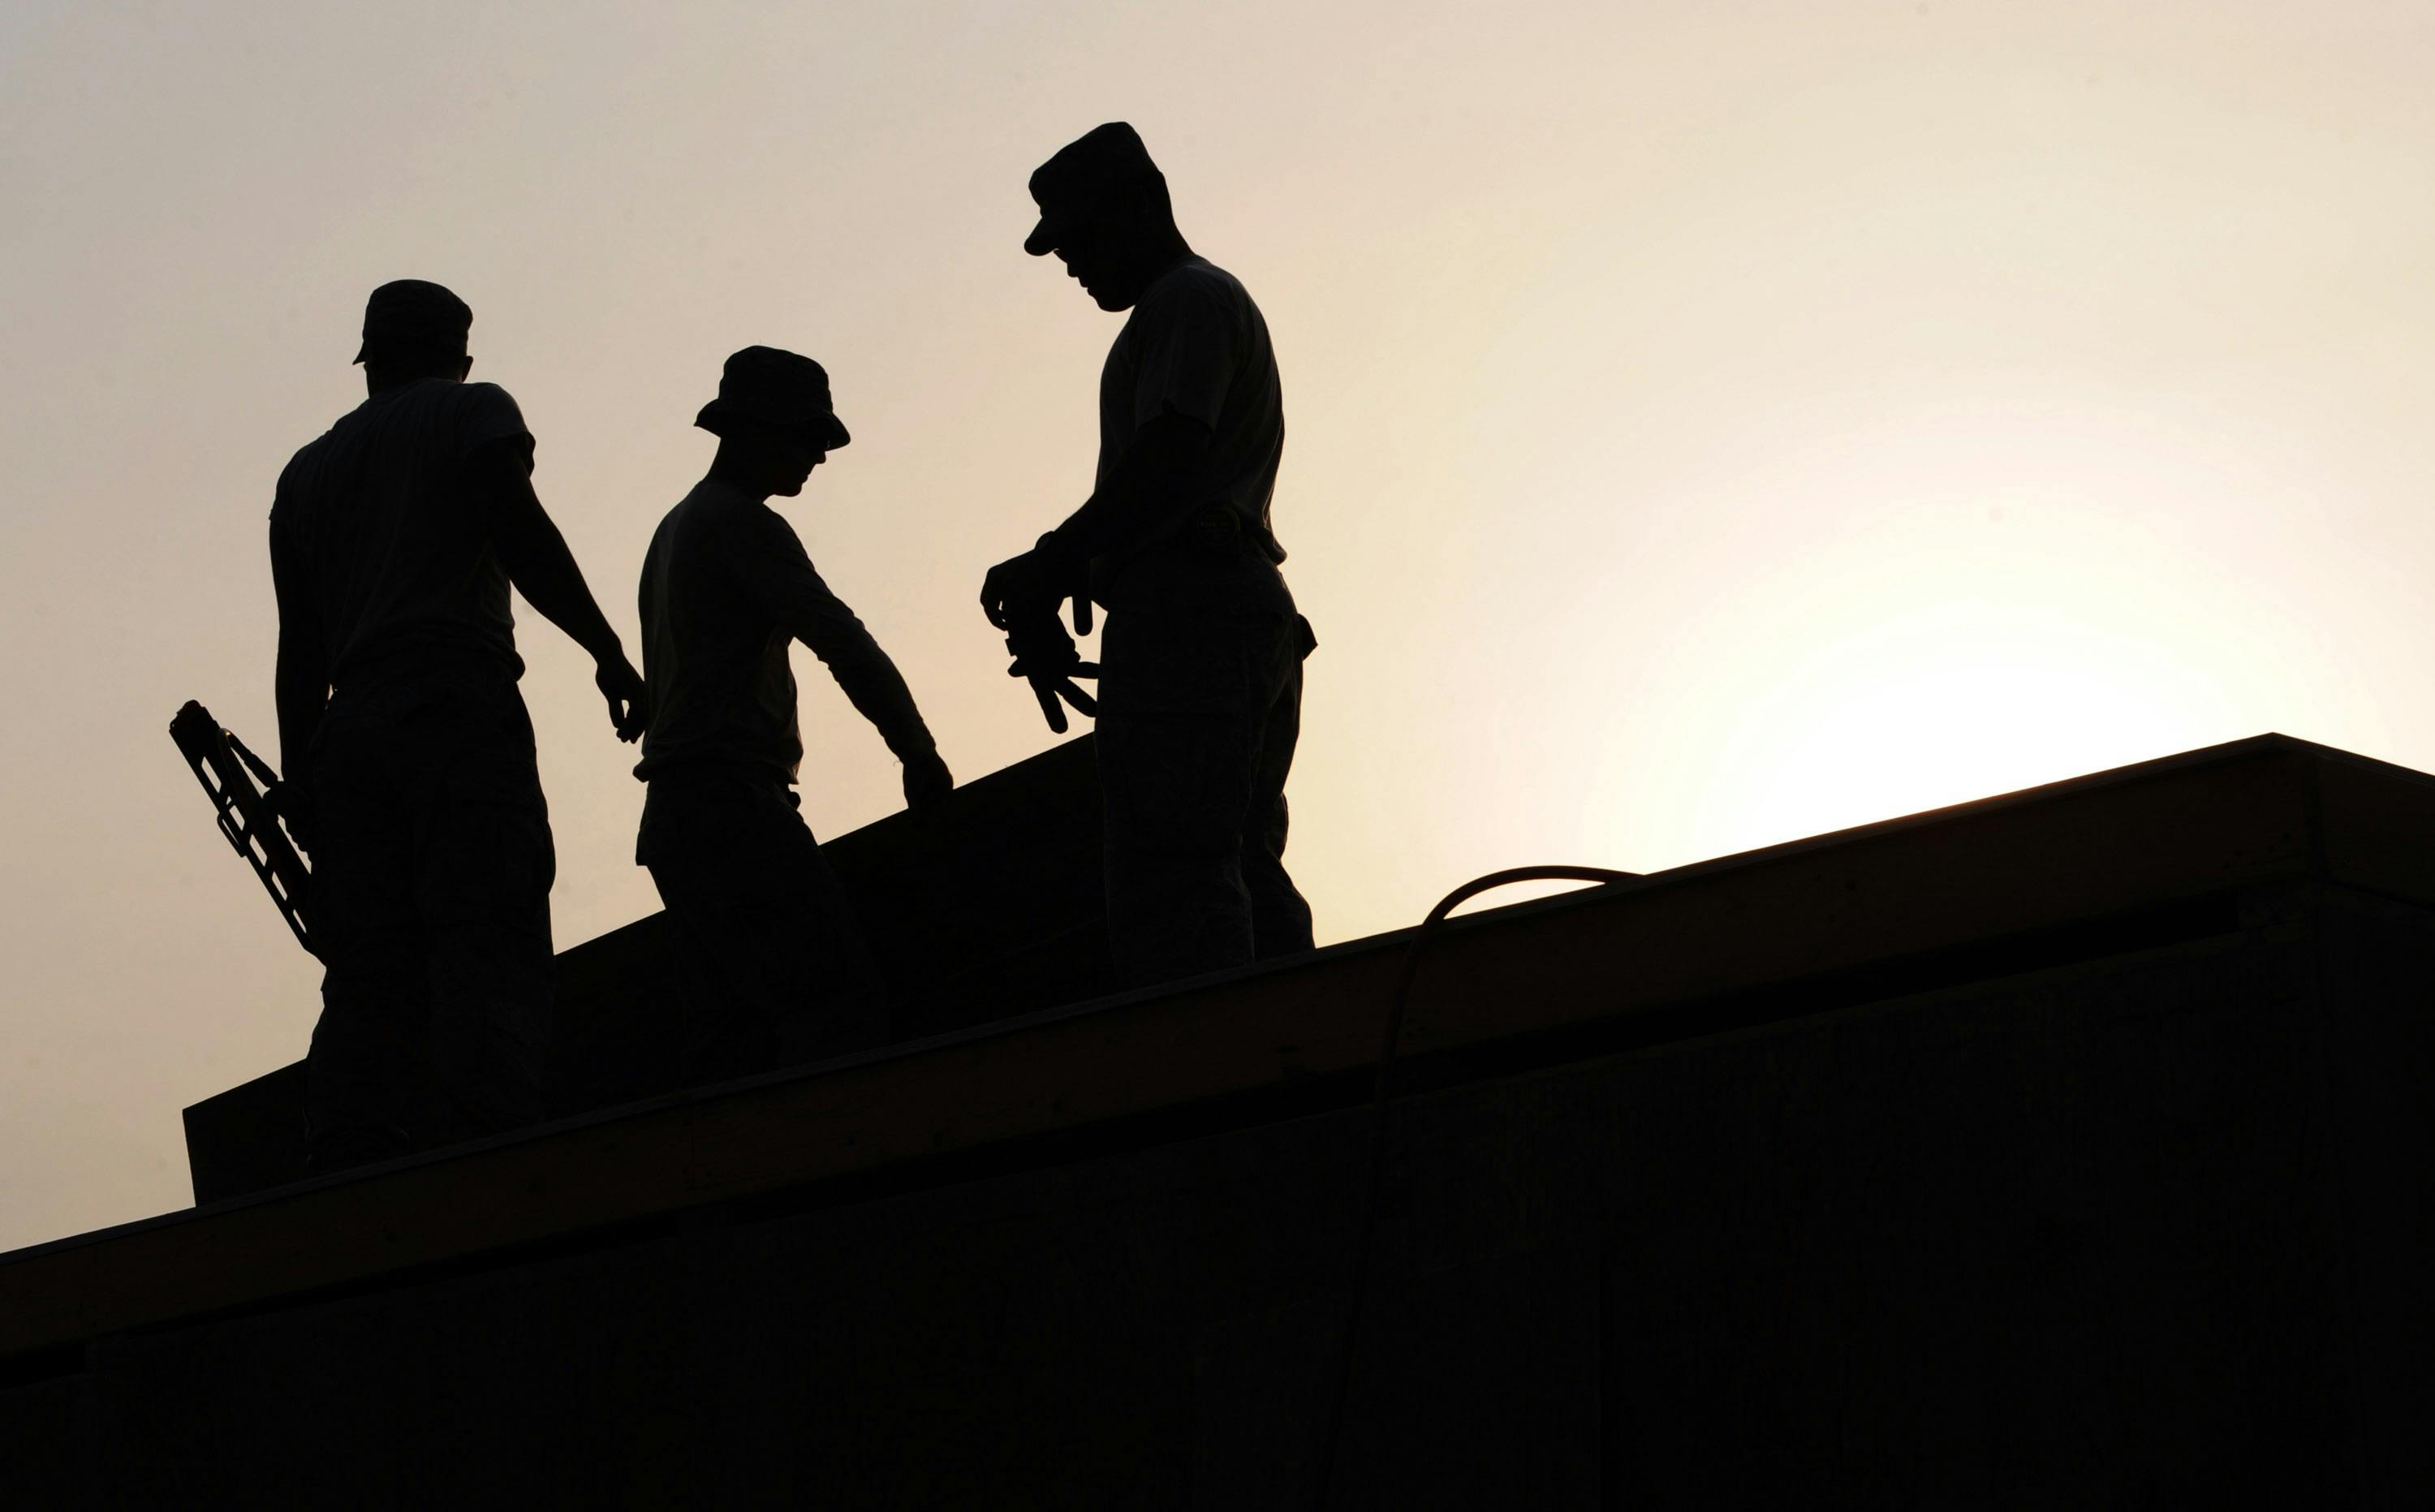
[
  {"x": 782, "y": 577},
  {"x": 874, "y": 687},
  {"x": 1187, "y": 352},
  {"x": 499, "y": 477},
  {"x": 1146, "y": 493},
  {"x": 1144, "y": 497},
  {"x": 299, "y": 684},
  {"x": 780, "y": 580}
]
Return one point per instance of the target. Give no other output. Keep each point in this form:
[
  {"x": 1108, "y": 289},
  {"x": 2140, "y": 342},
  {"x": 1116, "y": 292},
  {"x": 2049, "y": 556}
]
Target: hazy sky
[{"x": 1709, "y": 425}]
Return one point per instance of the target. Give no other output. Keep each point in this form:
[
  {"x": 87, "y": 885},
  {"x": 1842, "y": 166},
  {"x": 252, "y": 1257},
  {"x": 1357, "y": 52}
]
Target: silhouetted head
[
  {"x": 414, "y": 330},
  {"x": 1104, "y": 212},
  {"x": 774, "y": 422}
]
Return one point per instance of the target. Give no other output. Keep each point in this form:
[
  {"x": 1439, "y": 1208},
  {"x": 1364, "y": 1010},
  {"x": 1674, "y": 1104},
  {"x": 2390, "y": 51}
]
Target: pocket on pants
[{"x": 1225, "y": 666}]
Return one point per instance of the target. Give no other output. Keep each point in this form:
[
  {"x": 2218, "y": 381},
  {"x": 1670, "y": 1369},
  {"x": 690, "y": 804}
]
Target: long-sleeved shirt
[{"x": 726, "y": 585}]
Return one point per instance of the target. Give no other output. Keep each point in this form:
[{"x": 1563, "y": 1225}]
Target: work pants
[
  {"x": 432, "y": 872},
  {"x": 777, "y": 971},
  {"x": 1200, "y": 709}
]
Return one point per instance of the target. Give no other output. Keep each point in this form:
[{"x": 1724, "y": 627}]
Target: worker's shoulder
[
  {"x": 1196, "y": 290},
  {"x": 470, "y": 393},
  {"x": 305, "y": 461},
  {"x": 1195, "y": 278},
  {"x": 460, "y": 417},
  {"x": 367, "y": 412},
  {"x": 419, "y": 402},
  {"x": 488, "y": 410},
  {"x": 715, "y": 516}
]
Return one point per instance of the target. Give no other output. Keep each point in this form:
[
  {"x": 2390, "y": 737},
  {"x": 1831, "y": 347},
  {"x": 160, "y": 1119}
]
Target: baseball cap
[
  {"x": 1082, "y": 176},
  {"x": 410, "y": 315}
]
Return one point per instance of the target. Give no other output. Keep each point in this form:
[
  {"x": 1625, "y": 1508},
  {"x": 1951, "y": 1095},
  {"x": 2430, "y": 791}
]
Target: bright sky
[{"x": 1710, "y": 423}]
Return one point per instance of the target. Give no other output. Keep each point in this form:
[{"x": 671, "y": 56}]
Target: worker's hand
[
  {"x": 1017, "y": 587},
  {"x": 293, "y": 803},
  {"x": 1034, "y": 582},
  {"x": 629, "y": 705},
  {"x": 928, "y": 782}
]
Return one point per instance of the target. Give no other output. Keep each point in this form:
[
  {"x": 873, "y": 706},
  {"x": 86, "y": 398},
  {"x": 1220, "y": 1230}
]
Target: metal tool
[{"x": 249, "y": 816}]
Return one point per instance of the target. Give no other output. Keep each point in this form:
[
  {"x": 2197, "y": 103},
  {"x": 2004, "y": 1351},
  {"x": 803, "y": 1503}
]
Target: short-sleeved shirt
[
  {"x": 1195, "y": 345},
  {"x": 376, "y": 520},
  {"x": 726, "y": 586}
]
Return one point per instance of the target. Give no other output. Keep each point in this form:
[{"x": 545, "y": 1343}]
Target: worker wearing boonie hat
[
  {"x": 1201, "y": 665},
  {"x": 411, "y": 776},
  {"x": 726, "y": 588},
  {"x": 768, "y": 386}
]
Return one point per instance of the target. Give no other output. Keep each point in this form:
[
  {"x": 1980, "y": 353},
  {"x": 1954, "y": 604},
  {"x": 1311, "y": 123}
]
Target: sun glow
[
  {"x": 1940, "y": 704},
  {"x": 1993, "y": 606}
]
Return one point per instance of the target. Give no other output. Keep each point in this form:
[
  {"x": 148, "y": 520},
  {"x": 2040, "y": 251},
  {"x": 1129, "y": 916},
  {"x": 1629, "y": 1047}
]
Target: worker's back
[{"x": 376, "y": 515}]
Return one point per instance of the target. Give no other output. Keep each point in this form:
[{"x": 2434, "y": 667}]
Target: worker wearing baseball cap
[
  {"x": 410, "y": 319},
  {"x": 411, "y": 776},
  {"x": 1200, "y": 668},
  {"x": 726, "y": 589}
]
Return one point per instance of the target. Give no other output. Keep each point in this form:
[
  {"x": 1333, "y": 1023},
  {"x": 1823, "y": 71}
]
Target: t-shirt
[
  {"x": 726, "y": 585},
  {"x": 1195, "y": 345},
  {"x": 375, "y": 519}
]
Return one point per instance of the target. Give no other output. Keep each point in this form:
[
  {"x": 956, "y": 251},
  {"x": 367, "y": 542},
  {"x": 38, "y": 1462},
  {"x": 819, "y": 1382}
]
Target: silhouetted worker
[
  {"x": 1201, "y": 663},
  {"x": 408, "y": 755},
  {"x": 726, "y": 589}
]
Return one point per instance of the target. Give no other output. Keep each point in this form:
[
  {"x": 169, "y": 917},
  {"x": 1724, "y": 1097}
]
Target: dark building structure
[
  {"x": 2070, "y": 1148},
  {"x": 986, "y": 910}
]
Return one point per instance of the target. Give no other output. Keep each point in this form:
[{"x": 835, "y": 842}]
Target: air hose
[{"x": 1381, "y": 1085}]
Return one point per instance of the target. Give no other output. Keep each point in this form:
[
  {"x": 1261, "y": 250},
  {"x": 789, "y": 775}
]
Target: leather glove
[{"x": 1045, "y": 654}]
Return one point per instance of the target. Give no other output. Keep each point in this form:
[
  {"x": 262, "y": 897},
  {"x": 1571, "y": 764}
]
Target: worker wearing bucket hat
[
  {"x": 765, "y": 386},
  {"x": 726, "y": 587}
]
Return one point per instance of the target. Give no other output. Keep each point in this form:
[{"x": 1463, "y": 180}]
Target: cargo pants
[
  {"x": 432, "y": 875},
  {"x": 777, "y": 971},
  {"x": 1199, "y": 711}
]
